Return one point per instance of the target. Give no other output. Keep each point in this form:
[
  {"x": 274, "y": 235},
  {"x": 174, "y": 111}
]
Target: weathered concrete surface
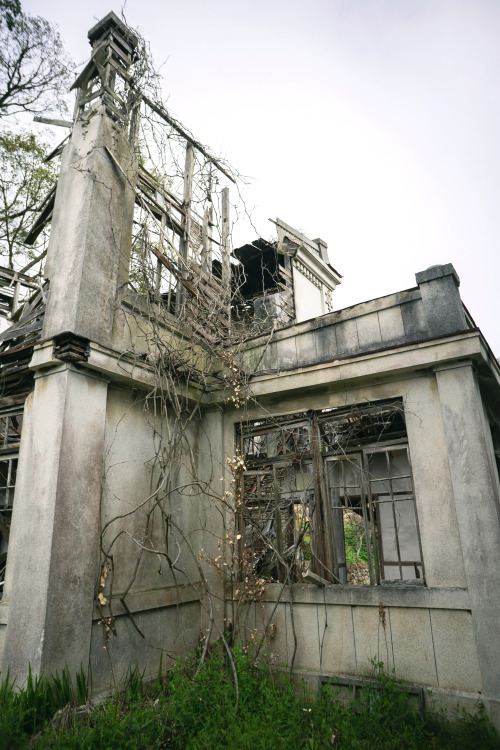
[
  {"x": 437, "y": 518},
  {"x": 434, "y": 309},
  {"x": 90, "y": 240},
  {"x": 78, "y": 430},
  {"x": 51, "y": 571},
  {"x": 169, "y": 632},
  {"x": 444, "y": 311},
  {"x": 339, "y": 628},
  {"x": 419, "y": 643},
  {"x": 455, "y": 650},
  {"x": 477, "y": 505}
]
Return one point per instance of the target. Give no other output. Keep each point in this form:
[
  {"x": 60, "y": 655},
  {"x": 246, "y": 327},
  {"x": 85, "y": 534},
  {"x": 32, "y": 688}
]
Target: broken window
[
  {"x": 278, "y": 491},
  {"x": 329, "y": 495},
  {"x": 11, "y": 421}
]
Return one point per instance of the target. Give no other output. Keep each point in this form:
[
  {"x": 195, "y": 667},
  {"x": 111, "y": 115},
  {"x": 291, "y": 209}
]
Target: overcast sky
[{"x": 373, "y": 124}]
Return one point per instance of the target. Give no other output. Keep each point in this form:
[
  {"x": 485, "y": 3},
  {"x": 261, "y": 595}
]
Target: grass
[{"x": 201, "y": 712}]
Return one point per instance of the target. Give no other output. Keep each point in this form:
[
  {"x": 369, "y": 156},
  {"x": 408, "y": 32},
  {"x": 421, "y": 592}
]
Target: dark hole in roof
[{"x": 259, "y": 270}]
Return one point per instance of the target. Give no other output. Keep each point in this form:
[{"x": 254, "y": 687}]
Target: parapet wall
[{"x": 430, "y": 310}]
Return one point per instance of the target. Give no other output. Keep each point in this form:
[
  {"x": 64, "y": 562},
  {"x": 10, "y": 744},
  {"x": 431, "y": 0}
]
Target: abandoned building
[{"x": 194, "y": 440}]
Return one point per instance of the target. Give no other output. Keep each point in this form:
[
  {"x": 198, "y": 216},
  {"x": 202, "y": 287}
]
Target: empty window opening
[
  {"x": 11, "y": 422},
  {"x": 330, "y": 493}
]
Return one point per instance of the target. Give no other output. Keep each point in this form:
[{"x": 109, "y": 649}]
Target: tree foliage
[
  {"x": 25, "y": 180},
  {"x": 35, "y": 71},
  {"x": 9, "y": 10}
]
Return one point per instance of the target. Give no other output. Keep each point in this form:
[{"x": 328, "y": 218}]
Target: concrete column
[
  {"x": 477, "y": 507},
  {"x": 53, "y": 551},
  {"x": 91, "y": 234},
  {"x": 443, "y": 308}
]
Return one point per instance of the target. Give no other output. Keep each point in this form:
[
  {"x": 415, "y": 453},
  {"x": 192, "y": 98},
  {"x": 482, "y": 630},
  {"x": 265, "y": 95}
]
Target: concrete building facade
[{"x": 363, "y": 518}]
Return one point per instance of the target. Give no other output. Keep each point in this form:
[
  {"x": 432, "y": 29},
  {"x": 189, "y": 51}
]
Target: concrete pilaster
[
  {"x": 53, "y": 549},
  {"x": 443, "y": 308},
  {"x": 476, "y": 497},
  {"x": 91, "y": 234}
]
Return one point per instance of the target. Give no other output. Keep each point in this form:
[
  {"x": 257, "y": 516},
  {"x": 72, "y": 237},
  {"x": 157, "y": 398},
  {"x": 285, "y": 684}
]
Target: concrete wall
[
  {"x": 91, "y": 232},
  {"x": 51, "y": 567},
  {"x": 339, "y": 637},
  {"x": 309, "y": 301},
  {"x": 147, "y": 594},
  {"x": 393, "y": 321},
  {"x": 432, "y": 635}
]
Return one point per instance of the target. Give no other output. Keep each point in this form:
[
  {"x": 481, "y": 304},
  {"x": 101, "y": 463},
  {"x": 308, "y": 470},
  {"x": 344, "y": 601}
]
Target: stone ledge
[
  {"x": 141, "y": 601},
  {"x": 370, "y": 596},
  {"x": 437, "y": 272},
  {"x": 379, "y": 363},
  {"x": 339, "y": 316}
]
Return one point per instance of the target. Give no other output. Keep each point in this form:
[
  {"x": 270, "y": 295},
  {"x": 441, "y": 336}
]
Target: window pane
[
  {"x": 345, "y": 482},
  {"x": 387, "y": 538},
  {"x": 379, "y": 474},
  {"x": 8, "y": 468},
  {"x": 10, "y": 429},
  {"x": 407, "y": 529},
  {"x": 278, "y": 505},
  {"x": 365, "y": 528},
  {"x": 391, "y": 495},
  {"x": 345, "y": 478},
  {"x": 15, "y": 424},
  {"x": 400, "y": 470},
  {"x": 399, "y": 545}
]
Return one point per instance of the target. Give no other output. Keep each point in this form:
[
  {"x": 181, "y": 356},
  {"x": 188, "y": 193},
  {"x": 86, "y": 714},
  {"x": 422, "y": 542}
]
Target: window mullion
[
  {"x": 279, "y": 530},
  {"x": 393, "y": 508},
  {"x": 367, "y": 516},
  {"x": 415, "y": 513},
  {"x": 370, "y": 523},
  {"x": 322, "y": 514}
]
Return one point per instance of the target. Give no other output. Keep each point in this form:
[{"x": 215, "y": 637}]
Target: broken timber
[{"x": 189, "y": 138}]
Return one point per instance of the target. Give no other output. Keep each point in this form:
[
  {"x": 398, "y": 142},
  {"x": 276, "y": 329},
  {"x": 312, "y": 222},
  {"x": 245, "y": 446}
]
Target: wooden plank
[
  {"x": 203, "y": 332},
  {"x": 53, "y": 121},
  {"x": 178, "y": 127},
  {"x": 226, "y": 248},
  {"x": 208, "y": 283},
  {"x": 148, "y": 178},
  {"x": 186, "y": 200},
  {"x": 58, "y": 150},
  {"x": 30, "y": 305},
  {"x": 158, "y": 212},
  {"x": 91, "y": 97},
  {"x": 208, "y": 292},
  {"x": 210, "y": 313},
  {"x": 40, "y": 224},
  {"x": 209, "y": 279},
  {"x": 164, "y": 193},
  {"x": 286, "y": 274},
  {"x": 206, "y": 236},
  {"x": 18, "y": 332},
  {"x": 309, "y": 577},
  {"x": 173, "y": 269},
  {"x": 186, "y": 218},
  {"x": 283, "y": 286},
  {"x": 35, "y": 313}
]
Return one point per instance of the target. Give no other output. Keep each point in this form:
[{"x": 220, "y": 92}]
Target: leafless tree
[{"x": 35, "y": 70}]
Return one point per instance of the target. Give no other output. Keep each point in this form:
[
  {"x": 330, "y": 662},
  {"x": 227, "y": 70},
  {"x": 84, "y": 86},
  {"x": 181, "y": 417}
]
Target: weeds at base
[{"x": 182, "y": 710}]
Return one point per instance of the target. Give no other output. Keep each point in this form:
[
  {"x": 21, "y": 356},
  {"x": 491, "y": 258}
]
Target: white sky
[{"x": 373, "y": 124}]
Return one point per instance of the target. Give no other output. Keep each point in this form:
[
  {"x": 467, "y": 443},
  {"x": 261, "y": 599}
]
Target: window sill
[
  {"x": 409, "y": 583},
  {"x": 405, "y": 594}
]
